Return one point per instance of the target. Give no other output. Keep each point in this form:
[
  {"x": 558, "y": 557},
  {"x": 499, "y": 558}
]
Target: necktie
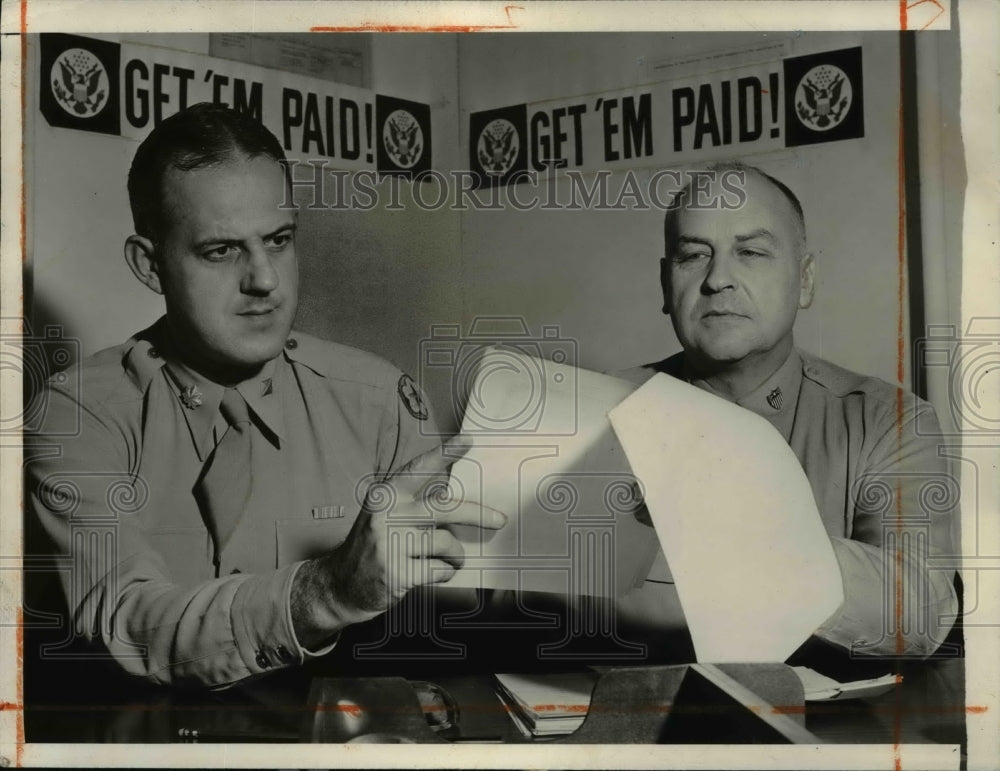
[{"x": 223, "y": 490}]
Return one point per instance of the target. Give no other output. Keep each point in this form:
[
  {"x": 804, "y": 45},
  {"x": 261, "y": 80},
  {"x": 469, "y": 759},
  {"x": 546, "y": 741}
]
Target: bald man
[{"x": 733, "y": 281}]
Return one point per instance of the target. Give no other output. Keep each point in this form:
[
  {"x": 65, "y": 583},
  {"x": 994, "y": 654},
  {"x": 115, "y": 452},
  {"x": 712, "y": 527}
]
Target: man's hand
[{"x": 397, "y": 542}]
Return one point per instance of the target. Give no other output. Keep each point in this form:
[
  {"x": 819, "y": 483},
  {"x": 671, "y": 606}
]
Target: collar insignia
[
  {"x": 191, "y": 397},
  {"x": 774, "y": 399}
]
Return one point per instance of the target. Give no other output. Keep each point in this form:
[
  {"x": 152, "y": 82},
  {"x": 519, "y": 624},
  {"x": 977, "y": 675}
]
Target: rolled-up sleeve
[
  {"x": 118, "y": 589},
  {"x": 899, "y": 599}
]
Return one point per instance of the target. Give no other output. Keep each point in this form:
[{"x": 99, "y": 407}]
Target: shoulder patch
[{"x": 409, "y": 394}]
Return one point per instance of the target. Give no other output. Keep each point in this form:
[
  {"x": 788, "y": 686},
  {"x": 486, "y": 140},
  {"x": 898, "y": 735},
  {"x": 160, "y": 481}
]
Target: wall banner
[
  {"x": 748, "y": 109},
  {"x": 126, "y": 90}
]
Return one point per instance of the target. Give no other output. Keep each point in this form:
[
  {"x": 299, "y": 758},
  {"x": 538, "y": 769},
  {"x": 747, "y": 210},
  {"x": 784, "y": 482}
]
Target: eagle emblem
[
  {"x": 79, "y": 83},
  {"x": 497, "y": 146},
  {"x": 823, "y": 97},
  {"x": 403, "y": 139}
]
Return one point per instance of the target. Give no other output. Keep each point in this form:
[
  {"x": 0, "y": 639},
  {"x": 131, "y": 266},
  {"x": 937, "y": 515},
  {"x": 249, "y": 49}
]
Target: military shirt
[
  {"x": 871, "y": 453},
  {"x": 142, "y": 577}
]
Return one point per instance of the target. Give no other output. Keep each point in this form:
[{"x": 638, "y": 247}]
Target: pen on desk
[{"x": 194, "y": 735}]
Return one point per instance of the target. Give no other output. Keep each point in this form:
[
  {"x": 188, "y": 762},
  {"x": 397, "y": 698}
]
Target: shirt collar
[
  {"x": 775, "y": 398},
  {"x": 263, "y": 395},
  {"x": 200, "y": 397}
]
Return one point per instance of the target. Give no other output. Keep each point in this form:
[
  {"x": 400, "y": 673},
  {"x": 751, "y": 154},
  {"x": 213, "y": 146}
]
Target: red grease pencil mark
[
  {"x": 900, "y": 349},
  {"x": 933, "y": 19},
  {"x": 561, "y": 708},
  {"x": 374, "y": 27},
  {"x": 23, "y": 222},
  {"x": 19, "y": 715}
]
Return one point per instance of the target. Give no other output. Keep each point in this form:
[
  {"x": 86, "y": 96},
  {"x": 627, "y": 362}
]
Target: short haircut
[
  {"x": 678, "y": 202},
  {"x": 201, "y": 135}
]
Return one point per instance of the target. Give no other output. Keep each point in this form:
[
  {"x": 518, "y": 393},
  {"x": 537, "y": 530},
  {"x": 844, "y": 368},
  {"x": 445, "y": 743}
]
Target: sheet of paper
[
  {"x": 551, "y": 695},
  {"x": 547, "y": 705},
  {"x": 544, "y": 453},
  {"x": 819, "y": 687},
  {"x": 735, "y": 515}
]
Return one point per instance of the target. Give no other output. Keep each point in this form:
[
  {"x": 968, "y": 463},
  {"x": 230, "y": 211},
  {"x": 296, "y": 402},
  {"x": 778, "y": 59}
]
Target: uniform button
[
  {"x": 282, "y": 652},
  {"x": 153, "y": 353},
  {"x": 291, "y": 344},
  {"x": 262, "y": 660}
]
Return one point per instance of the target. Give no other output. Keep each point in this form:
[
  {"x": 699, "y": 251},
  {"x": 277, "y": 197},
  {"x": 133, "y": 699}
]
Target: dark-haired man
[
  {"x": 733, "y": 281},
  {"x": 217, "y": 505}
]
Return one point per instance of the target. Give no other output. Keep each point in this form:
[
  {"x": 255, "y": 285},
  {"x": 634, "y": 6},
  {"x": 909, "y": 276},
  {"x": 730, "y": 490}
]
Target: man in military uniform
[
  {"x": 733, "y": 281},
  {"x": 226, "y": 503}
]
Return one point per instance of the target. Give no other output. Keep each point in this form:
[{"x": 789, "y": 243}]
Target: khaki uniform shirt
[
  {"x": 116, "y": 497},
  {"x": 871, "y": 454}
]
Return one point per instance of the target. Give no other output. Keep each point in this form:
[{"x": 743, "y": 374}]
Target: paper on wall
[
  {"x": 736, "y": 518},
  {"x": 544, "y": 453}
]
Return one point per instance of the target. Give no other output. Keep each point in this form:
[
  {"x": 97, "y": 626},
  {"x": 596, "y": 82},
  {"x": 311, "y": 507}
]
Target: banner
[
  {"x": 126, "y": 90},
  {"x": 749, "y": 109}
]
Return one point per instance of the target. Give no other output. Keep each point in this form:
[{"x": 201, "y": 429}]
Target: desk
[
  {"x": 276, "y": 708},
  {"x": 688, "y": 703}
]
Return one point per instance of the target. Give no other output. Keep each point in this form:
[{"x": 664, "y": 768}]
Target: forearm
[
  {"x": 898, "y": 602},
  {"x": 893, "y": 603},
  {"x": 210, "y": 634},
  {"x": 316, "y": 618},
  {"x": 325, "y": 599}
]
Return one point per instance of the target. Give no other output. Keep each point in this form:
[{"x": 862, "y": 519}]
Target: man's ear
[
  {"x": 665, "y": 284},
  {"x": 140, "y": 254},
  {"x": 807, "y": 279}
]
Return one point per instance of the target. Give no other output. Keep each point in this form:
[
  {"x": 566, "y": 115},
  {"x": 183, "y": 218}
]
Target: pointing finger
[
  {"x": 470, "y": 513},
  {"x": 439, "y": 571}
]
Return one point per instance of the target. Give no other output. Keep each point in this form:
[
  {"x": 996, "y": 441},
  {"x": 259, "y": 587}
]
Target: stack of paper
[
  {"x": 732, "y": 509},
  {"x": 547, "y": 705},
  {"x": 544, "y": 453},
  {"x": 819, "y": 687},
  {"x": 736, "y": 518}
]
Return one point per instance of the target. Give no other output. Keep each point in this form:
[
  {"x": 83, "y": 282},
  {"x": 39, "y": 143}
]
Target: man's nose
[
  {"x": 720, "y": 273},
  {"x": 260, "y": 276}
]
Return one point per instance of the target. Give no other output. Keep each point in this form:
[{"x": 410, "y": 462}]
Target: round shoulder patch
[{"x": 411, "y": 398}]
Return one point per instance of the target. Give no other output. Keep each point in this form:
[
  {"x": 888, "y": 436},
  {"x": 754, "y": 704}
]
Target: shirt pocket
[{"x": 303, "y": 539}]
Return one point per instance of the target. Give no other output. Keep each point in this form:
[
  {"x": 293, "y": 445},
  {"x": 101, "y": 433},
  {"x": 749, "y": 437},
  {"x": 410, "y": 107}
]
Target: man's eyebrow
[
  {"x": 217, "y": 242},
  {"x": 758, "y": 233},
  {"x": 693, "y": 240},
  {"x": 291, "y": 225}
]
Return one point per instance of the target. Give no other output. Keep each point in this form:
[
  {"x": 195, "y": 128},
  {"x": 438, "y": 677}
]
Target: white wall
[{"x": 377, "y": 280}]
